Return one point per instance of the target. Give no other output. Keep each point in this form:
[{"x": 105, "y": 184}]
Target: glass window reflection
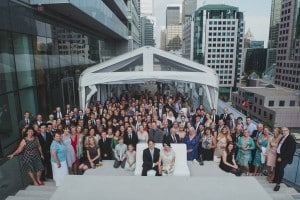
[
  {"x": 7, "y": 66},
  {"x": 24, "y": 60}
]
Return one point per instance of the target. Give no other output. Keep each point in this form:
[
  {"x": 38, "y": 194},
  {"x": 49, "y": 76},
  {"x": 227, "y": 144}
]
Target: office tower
[
  {"x": 147, "y": 31},
  {"x": 288, "y": 47},
  {"x": 273, "y": 32},
  {"x": 147, "y": 7},
  {"x": 218, "y": 43},
  {"x": 172, "y": 15},
  {"x": 188, "y": 8}
]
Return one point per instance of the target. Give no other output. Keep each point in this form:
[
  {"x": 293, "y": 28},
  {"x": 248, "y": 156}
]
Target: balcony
[{"x": 90, "y": 14}]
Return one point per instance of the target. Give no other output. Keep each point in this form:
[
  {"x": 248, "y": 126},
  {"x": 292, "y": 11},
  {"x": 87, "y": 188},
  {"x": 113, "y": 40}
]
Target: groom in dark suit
[
  {"x": 285, "y": 152},
  {"x": 151, "y": 159}
]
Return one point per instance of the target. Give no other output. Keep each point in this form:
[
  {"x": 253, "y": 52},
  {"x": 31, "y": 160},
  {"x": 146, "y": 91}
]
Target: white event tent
[{"x": 147, "y": 65}]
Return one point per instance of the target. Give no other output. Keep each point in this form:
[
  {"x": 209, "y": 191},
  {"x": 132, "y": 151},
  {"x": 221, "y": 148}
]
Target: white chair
[{"x": 180, "y": 168}]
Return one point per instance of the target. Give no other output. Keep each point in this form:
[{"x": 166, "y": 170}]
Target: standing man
[
  {"x": 285, "y": 152},
  {"x": 156, "y": 134},
  {"x": 45, "y": 139},
  {"x": 151, "y": 159}
]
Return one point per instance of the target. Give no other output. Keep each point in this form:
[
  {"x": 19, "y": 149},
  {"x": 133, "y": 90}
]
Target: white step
[
  {"x": 34, "y": 193},
  {"x": 41, "y": 188},
  {"x": 25, "y": 198}
]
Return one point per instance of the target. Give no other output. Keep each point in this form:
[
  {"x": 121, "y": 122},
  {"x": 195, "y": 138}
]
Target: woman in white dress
[
  {"x": 142, "y": 135},
  {"x": 130, "y": 158},
  {"x": 167, "y": 158}
]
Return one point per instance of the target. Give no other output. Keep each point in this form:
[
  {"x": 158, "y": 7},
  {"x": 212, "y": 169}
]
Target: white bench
[{"x": 180, "y": 168}]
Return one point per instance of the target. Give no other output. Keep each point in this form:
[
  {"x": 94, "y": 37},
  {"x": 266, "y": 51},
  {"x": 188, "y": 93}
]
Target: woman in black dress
[
  {"x": 228, "y": 163},
  {"x": 32, "y": 156},
  {"x": 208, "y": 143},
  {"x": 93, "y": 155}
]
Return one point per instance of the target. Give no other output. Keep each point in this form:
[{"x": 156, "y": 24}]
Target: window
[
  {"x": 281, "y": 103},
  {"x": 292, "y": 103},
  {"x": 259, "y": 111},
  {"x": 271, "y": 103},
  {"x": 260, "y": 102},
  {"x": 271, "y": 116},
  {"x": 265, "y": 114}
]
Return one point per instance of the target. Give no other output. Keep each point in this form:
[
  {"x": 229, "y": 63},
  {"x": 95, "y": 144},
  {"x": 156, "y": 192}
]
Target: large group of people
[{"x": 72, "y": 140}]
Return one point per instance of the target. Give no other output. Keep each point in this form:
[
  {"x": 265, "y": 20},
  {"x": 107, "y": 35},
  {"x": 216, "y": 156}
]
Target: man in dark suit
[
  {"x": 105, "y": 147},
  {"x": 214, "y": 117},
  {"x": 173, "y": 137},
  {"x": 26, "y": 121},
  {"x": 285, "y": 152},
  {"x": 155, "y": 133},
  {"x": 151, "y": 159},
  {"x": 225, "y": 115},
  {"x": 45, "y": 139},
  {"x": 130, "y": 137}
]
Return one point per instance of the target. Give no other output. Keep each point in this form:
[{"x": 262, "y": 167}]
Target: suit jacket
[
  {"x": 288, "y": 148},
  {"x": 223, "y": 117},
  {"x": 216, "y": 119},
  {"x": 156, "y": 135},
  {"x": 22, "y": 123},
  {"x": 105, "y": 148},
  {"x": 134, "y": 139},
  {"x": 45, "y": 144},
  {"x": 147, "y": 158},
  {"x": 169, "y": 139}
]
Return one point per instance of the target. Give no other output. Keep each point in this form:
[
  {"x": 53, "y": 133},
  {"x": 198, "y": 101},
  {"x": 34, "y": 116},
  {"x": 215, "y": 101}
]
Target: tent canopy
[{"x": 147, "y": 64}]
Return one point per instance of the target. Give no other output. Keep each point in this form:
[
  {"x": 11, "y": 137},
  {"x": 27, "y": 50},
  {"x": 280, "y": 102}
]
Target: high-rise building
[
  {"x": 147, "y": 31},
  {"x": 273, "y": 32},
  {"x": 44, "y": 47},
  {"x": 134, "y": 21},
  {"x": 218, "y": 43},
  {"x": 147, "y": 7},
  {"x": 163, "y": 39},
  {"x": 172, "y": 15},
  {"x": 288, "y": 47},
  {"x": 187, "y": 38},
  {"x": 173, "y": 37},
  {"x": 255, "y": 60},
  {"x": 188, "y": 9}
]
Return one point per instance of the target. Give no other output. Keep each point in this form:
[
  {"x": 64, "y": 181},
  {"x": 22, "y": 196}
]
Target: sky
[{"x": 256, "y": 15}]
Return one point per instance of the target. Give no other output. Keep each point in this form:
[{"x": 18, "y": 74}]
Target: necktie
[
  {"x": 27, "y": 121},
  {"x": 151, "y": 151},
  {"x": 44, "y": 136},
  {"x": 174, "y": 139},
  {"x": 130, "y": 136}
]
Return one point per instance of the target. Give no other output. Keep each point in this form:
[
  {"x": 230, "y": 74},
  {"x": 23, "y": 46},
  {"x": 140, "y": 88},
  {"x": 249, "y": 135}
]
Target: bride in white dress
[{"x": 167, "y": 158}]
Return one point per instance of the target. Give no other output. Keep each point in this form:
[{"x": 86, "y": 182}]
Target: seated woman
[
  {"x": 130, "y": 158},
  {"x": 167, "y": 159},
  {"x": 93, "y": 155},
  {"x": 227, "y": 162}
]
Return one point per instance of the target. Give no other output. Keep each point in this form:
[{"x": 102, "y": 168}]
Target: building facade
[
  {"x": 273, "y": 32},
  {"x": 218, "y": 43},
  {"x": 43, "y": 50},
  {"x": 288, "y": 48},
  {"x": 172, "y": 15},
  {"x": 188, "y": 9},
  {"x": 174, "y": 37},
  {"x": 255, "y": 60},
  {"x": 147, "y": 31},
  {"x": 276, "y": 107}
]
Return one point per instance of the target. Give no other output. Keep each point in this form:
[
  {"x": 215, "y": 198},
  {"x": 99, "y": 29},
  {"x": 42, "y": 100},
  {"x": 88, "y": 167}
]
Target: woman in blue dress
[
  {"x": 245, "y": 145},
  {"x": 192, "y": 142},
  {"x": 261, "y": 148}
]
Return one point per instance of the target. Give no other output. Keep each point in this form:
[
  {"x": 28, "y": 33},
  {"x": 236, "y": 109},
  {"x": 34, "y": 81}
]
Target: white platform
[
  {"x": 205, "y": 182},
  {"x": 149, "y": 188}
]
